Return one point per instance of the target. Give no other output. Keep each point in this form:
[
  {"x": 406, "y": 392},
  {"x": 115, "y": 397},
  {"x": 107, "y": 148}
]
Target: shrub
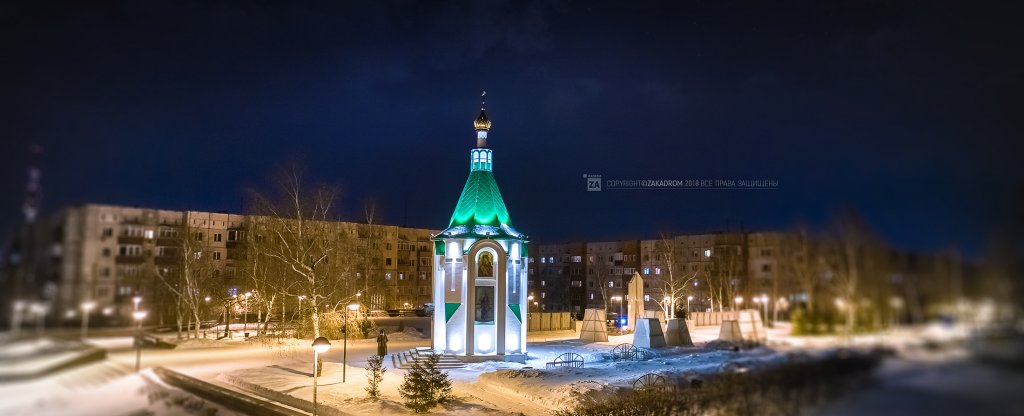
[{"x": 786, "y": 389}]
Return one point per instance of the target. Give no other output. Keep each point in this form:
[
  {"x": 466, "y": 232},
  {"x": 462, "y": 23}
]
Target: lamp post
[
  {"x": 18, "y": 306},
  {"x": 135, "y": 302},
  {"x": 301, "y": 297},
  {"x": 764, "y": 304},
  {"x": 739, "y": 301},
  {"x": 618, "y": 318},
  {"x": 86, "y": 308},
  {"x": 344, "y": 351},
  {"x": 320, "y": 346},
  {"x": 688, "y": 299},
  {"x": 139, "y": 316},
  {"x": 245, "y": 316}
]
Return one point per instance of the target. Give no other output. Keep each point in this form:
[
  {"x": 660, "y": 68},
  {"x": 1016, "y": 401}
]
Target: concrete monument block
[
  {"x": 647, "y": 334},
  {"x": 731, "y": 332},
  {"x": 677, "y": 333},
  {"x": 595, "y": 327}
]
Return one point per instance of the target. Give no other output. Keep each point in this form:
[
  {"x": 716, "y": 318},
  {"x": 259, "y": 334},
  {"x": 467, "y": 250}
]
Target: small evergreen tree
[
  {"x": 425, "y": 385},
  {"x": 440, "y": 385},
  {"x": 374, "y": 375}
]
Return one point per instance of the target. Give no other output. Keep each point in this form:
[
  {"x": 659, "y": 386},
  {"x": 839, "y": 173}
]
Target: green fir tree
[
  {"x": 374, "y": 375},
  {"x": 425, "y": 385}
]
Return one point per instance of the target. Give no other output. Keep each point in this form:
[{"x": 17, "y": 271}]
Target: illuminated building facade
[{"x": 480, "y": 269}]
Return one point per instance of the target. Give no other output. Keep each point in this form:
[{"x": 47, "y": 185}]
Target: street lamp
[
  {"x": 139, "y": 316},
  {"x": 320, "y": 346},
  {"x": 86, "y": 307},
  {"x": 618, "y": 318},
  {"x": 344, "y": 352},
  {"x": 135, "y": 301},
  {"x": 245, "y": 315},
  {"x": 764, "y": 303},
  {"x": 688, "y": 299}
]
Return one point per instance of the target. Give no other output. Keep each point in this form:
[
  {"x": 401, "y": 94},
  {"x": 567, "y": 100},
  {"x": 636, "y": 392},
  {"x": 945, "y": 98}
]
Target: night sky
[{"x": 909, "y": 113}]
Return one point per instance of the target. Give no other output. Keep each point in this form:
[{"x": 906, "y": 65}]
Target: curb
[{"x": 231, "y": 399}]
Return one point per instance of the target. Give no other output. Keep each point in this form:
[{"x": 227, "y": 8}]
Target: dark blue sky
[{"x": 908, "y": 112}]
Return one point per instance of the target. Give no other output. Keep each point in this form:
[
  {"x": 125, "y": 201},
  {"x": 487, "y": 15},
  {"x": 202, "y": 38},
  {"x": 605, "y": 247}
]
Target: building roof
[{"x": 481, "y": 211}]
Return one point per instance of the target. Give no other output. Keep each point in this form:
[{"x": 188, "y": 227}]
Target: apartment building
[
  {"x": 557, "y": 277},
  {"x": 110, "y": 255}
]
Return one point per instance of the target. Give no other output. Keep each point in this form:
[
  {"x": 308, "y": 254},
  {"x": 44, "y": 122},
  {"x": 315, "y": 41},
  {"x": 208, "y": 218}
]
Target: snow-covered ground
[
  {"x": 494, "y": 387},
  {"x": 136, "y": 394}
]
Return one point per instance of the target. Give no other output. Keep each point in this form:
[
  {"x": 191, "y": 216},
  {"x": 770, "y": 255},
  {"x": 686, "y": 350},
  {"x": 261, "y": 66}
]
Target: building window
[
  {"x": 423, "y": 275},
  {"x": 577, "y": 259},
  {"x": 217, "y": 237},
  {"x": 216, "y": 255},
  {"x": 542, "y": 283},
  {"x": 387, "y": 261},
  {"x": 387, "y": 276},
  {"x": 647, "y": 271},
  {"x": 401, "y": 275},
  {"x": 577, "y": 283},
  {"x": 106, "y": 252},
  {"x": 149, "y": 234},
  {"x": 542, "y": 295},
  {"x": 108, "y": 232},
  {"x": 543, "y": 260},
  {"x": 766, "y": 267},
  {"x": 707, "y": 253},
  {"x": 657, "y": 270},
  {"x": 199, "y": 236},
  {"x": 591, "y": 295},
  {"x": 611, "y": 284},
  {"x": 647, "y": 298},
  {"x": 130, "y": 250}
]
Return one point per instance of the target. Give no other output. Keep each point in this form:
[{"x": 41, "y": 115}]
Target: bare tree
[
  {"x": 853, "y": 266},
  {"x": 186, "y": 270},
  {"x": 675, "y": 282},
  {"x": 728, "y": 264},
  {"x": 601, "y": 275},
  {"x": 297, "y": 228}
]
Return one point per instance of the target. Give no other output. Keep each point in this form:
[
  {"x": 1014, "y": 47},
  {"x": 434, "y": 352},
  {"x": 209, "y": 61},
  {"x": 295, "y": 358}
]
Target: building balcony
[
  {"x": 129, "y": 259},
  {"x": 125, "y": 239}
]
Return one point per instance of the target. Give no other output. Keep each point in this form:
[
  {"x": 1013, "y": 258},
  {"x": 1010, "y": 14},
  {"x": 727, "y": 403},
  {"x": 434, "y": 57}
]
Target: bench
[
  {"x": 569, "y": 359},
  {"x": 650, "y": 382},
  {"x": 630, "y": 352}
]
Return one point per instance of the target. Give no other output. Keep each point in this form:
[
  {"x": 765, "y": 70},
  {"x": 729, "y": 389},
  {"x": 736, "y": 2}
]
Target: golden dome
[{"x": 482, "y": 123}]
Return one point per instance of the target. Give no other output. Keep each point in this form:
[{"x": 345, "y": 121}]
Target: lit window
[
  {"x": 611, "y": 284},
  {"x": 387, "y": 276},
  {"x": 647, "y": 298},
  {"x": 657, "y": 270},
  {"x": 707, "y": 253}
]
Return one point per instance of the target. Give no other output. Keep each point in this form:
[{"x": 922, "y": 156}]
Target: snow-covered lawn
[
  {"x": 515, "y": 388},
  {"x": 136, "y": 394}
]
